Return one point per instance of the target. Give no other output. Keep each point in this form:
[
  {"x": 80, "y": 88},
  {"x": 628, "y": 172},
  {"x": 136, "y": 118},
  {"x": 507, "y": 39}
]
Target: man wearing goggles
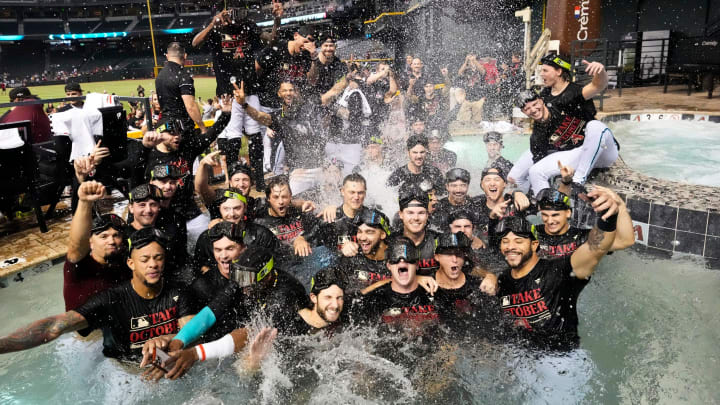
[
  {"x": 560, "y": 93},
  {"x": 401, "y": 302},
  {"x": 231, "y": 205},
  {"x": 365, "y": 264},
  {"x": 541, "y": 294},
  {"x": 129, "y": 314},
  {"x": 414, "y": 216},
  {"x": 95, "y": 249},
  {"x": 559, "y": 239}
]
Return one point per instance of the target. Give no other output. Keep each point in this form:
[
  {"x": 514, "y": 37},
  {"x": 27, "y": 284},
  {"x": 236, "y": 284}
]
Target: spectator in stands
[
  {"x": 73, "y": 89},
  {"x": 140, "y": 91},
  {"x": 176, "y": 90},
  {"x": 39, "y": 123}
]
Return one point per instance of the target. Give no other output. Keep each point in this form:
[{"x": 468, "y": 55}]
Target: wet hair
[
  {"x": 355, "y": 178},
  {"x": 175, "y": 49},
  {"x": 281, "y": 180},
  {"x": 415, "y": 140}
]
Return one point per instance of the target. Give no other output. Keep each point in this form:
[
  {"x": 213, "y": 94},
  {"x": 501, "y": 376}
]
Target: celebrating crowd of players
[{"x": 442, "y": 258}]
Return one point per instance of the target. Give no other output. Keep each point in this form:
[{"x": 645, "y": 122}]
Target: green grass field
[{"x": 204, "y": 88}]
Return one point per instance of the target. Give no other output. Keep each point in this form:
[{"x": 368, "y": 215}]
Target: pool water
[
  {"x": 685, "y": 151},
  {"x": 649, "y": 331}
]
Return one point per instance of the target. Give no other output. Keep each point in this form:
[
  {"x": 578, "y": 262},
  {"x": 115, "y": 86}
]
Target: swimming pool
[
  {"x": 649, "y": 332},
  {"x": 678, "y": 150}
]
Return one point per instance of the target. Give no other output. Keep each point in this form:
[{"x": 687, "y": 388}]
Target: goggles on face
[
  {"x": 173, "y": 126},
  {"x": 373, "y": 218},
  {"x": 245, "y": 276},
  {"x": 517, "y": 225},
  {"x": 165, "y": 171},
  {"x": 103, "y": 222},
  {"x": 144, "y": 192},
  {"x": 146, "y": 236},
  {"x": 402, "y": 251}
]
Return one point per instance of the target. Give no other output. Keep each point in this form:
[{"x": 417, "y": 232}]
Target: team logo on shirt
[{"x": 146, "y": 327}]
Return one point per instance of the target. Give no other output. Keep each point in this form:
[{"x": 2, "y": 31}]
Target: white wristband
[{"x": 222, "y": 347}]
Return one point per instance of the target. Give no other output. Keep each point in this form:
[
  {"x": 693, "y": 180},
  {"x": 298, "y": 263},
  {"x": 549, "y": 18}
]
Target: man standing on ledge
[{"x": 176, "y": 90}]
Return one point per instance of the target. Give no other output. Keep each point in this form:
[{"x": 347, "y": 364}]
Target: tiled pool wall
[{"x": 669, "y": 217}]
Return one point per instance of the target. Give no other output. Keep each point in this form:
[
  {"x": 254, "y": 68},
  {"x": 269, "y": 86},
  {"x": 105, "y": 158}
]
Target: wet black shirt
[
  {"x": 204, "y": 290},
  {"x": 174, "y": 225},
  {"x": 296, "y": 326},
  {"x": 329, "y": 74},
  {"x": 292, "y": 225},
  {"x": 570, "y": 102},
  {"x": 383, "y": 305},
  {"x": 361, "y": 272},
  {"x": 545, "y": 302},
  {"x": 467, "y": 305},
  {"x": 427, "y": 265},
  {"x": 555, "y": 246},
  {"x": 439, "y": 219},
  {"x": 444, "y": 160},
  {"x": 233, "y": 49},
  {"x": 299, "y": 130},
  {"x": 254, "y": 234},
  {"x": 171, "y": 84},
  {"x": 128, "y": 320},
  {"x": 561, "y": 132},
  {"x": 334, "y": 234},
  {"x": 278, "y": 65},
  {"x": 402, "y": 175}
]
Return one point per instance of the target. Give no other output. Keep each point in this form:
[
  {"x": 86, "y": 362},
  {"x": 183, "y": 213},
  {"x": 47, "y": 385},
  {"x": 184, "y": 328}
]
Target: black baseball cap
[
  {"x": 327, "y": 36},
  {"x": 240, "y": 167},
  {"x": 20, "y": 92},
  {"x": 556, "y": 61},
  {"x": 221, "y": 195},
  {"x": 493, "y": 136},
  {"x": 230, "y": 230},
  {"x": 459, "y": 214},
  {"x": 169, "y": 124},
  {"x": 102, "y": 222},
  {"x": 452, "y": 241},
  {"x": 373, "y": 218},
  {"x": 73, "y": 86},
  {"x": 410, "y": 192},
  {"x": 490, "y": 171},
  {"x": 402, "y": 248},
  {"x": 307, "y": 31},
  {"x": 145, "y": 236},
  {"x": 517, "y": 225},
  {"x": 145, "y": 192},
  {"x": 326, "y": 278},
  {"x": 525, "y": 97},
  {"x": 457, "y": 174},
  {"x": 554, "y": 200}
]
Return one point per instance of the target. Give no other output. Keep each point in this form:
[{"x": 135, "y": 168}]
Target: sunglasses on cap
[
  {"x": 103, "y": 222},
  {"x": 144, "y": 192},
  {"x": 174, "y": 126},
  {"x": 552, "y": 199},
  {"x": 373, "y": 218},
  {"x": 246, "y": 276},
  {"x": 224, "y": 229},
  {"x": 457, "y": 174},
  {"x": 517, "y": 225},
  {"x": 224, "y": 194},
  {"x": 146, "y": 236},
  {"x": 557, "y": 61},
  {"x": 165, "y": 171}
]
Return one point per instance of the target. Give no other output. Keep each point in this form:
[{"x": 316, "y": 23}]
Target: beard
[
  {"x": 321, "y": 313},
  {"x": 523, "y": 259}
]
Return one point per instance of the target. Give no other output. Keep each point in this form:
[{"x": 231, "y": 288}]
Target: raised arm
[
  {"x": 202, "y": 187},
  {"x": 599, "y": 81},
  {"x": 79, "y": 243},
  {"x": 277, "y": 12},
  {"x": 335, "y": 91},
  {"x": 42, "y": 331},
  {"x": 625, "y": 234},
  {"x": 202, "y": 35},
  {"x": 588, "y": 255},
  {"x": 261, "y": 117}
]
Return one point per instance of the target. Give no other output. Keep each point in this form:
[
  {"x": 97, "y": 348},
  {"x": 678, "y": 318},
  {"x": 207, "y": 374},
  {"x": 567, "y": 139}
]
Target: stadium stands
[
  {"x": 83, "y": 26},
  {"x": 8, "y": 27},
  {"x": 114, "y": 26},
  {"x": 160, "y": 22},
  {"x": 191, "y": 21},
  {"x": 33, "y": 27}
]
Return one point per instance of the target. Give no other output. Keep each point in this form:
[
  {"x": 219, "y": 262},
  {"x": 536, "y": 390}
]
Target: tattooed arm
[
  {"x": 42, "y": 331},
  {"x": 588, "y": 255}
]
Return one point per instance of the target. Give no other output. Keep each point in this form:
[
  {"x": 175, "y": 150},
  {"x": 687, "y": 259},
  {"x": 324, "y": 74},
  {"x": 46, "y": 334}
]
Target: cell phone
[{"x": 160, "y": 358}]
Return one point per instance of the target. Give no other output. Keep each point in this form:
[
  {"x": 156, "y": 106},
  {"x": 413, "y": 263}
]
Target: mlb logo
[
  {"x": 577, "y": 12},
  {"x": 505, "y": 301}
]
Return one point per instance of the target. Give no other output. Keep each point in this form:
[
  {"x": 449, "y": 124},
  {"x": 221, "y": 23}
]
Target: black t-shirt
[
  {"x": 128, "y": 320},
  {"x": 559, "y": 133},
  {"x": 300, "y": 131},
  {"x": 460, "y": 307},
  {"x": 428, "y": 172},
  {"x": 545, "y": 302},
  {"x": 375, "y": 93},
  {"x": 439, "y": 219},
  {"x": 329, "y": 74},
  {"x": 334, "y": 234},
  {"x": 443, "y": 160},
  {"x": 570, "y": 102},
  {"x": 278, "y": 65},
  {"x": 383, "y": 305},
  {"x": 427, "y": 265},
  {"x": 361, "y": 272},
  {"x": 555, "y": 246},
  {"x": 292, "y": 225},
  {"x": 233, "y": 48},
  {"x": 204, "y": 290},
  {"x": 254, "y": 234},
  {"x": 296, "y": 326},
  {"x": 474, "y": 84},
  {"x": 500, "y": 163},
  {"x": 171, "y": 84},
  {"x": 279, "y": 300}
]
